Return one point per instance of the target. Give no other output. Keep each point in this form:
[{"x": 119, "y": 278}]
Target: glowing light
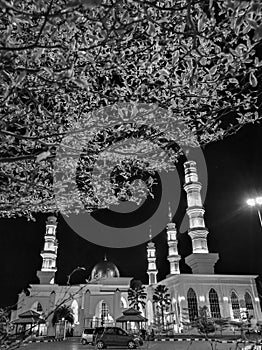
[
  {"x": 181, "y": 298},
  {"x": 257, "y": 299},
  {"x": 225, "y": 298},
  {"x": 202, "y": 298},
  {"x": 150, "y": 233},
  {"x": 256, "y": 202},
  {"x": 251, "y": 202},
  {"x": 259, "y": 200}
]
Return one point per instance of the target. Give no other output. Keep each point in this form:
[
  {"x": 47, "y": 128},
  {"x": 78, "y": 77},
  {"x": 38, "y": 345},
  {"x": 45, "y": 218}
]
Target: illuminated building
[{"x": 103, "y": 299}]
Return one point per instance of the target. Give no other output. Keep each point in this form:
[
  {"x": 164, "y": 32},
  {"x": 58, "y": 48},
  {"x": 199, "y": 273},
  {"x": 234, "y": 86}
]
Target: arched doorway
[
  {"x": 74, "y": 307},
  {"x": 40, "y": 328},
  {"x": 123, "y": 303},
  {"x": 74, "y": 328},
  {"x": 102, "y": 315}
]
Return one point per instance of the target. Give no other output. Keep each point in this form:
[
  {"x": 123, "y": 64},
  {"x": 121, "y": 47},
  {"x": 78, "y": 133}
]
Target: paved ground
[{"x": 66, "y": 345}]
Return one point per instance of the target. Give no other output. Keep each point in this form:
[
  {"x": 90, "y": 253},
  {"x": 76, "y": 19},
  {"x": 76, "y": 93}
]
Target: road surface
[{"x": 69, "y": 345}]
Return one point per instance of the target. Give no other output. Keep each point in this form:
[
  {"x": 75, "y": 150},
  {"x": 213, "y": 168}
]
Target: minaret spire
[
  {"x": 195, "y": 211},
  {"x": 170, "y": 212},
  {"x": 49, "y": 253},
  {"x": 173, "y": 256},
  {"x": 201, "y": 261},
  {"x": 151, "y": 258}
]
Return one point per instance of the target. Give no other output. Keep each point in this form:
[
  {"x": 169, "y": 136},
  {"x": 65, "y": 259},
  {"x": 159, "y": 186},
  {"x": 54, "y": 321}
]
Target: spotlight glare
[
  {"x": 259, "y": 200},
  {"x": 251, "y": 202}
]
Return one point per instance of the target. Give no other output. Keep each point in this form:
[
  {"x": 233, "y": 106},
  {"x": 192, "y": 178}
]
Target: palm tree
[
  {"x": 162, "y": 299},
  {"x": 136, "y": 294},
  {"x": 63, "y": 312}
]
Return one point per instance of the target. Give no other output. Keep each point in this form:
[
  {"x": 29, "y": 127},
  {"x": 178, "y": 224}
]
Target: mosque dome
[{"x": 105, "y": 269}]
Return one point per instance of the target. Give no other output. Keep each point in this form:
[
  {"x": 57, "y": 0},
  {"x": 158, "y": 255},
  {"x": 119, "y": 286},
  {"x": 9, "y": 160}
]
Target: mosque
[{"x": 104, "y": 298}]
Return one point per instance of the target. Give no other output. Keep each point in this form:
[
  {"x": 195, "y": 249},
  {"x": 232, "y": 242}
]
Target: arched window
[
  {"x": 192, "y": 305},
  {"x": 52, "y": 298},
  {"x": 249, "y": 304},
  {"x": 235, "y": 305},
  {"x": 104, "y": 311},
  {"x": 39, "y": 308},
  {"x": 214, "y": 304}
]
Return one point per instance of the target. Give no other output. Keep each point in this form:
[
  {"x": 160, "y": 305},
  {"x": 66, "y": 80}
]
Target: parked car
[
  {"x": 88, "y": 336},
  {"x": 116, "y": 336}
]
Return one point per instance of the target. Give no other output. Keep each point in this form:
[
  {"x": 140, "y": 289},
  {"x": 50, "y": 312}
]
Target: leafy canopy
[
  {"x": 63, "y": 312},
  {"x": 62, "y": 62},
  {"x": 204, "y": 323}
]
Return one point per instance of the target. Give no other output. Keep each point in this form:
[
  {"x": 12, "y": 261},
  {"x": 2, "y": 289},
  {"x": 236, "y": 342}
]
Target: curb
[
  {"x": 202, "y": 340},
  {"x": 24, "y": 343},
  {"x": 43, "y": 341}
]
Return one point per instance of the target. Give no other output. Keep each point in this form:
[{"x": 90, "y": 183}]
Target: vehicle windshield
[{"x": 89, "y": 331}]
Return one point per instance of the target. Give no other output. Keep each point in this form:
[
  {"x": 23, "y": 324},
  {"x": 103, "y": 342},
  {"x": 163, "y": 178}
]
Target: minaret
[
  {"x": 201, "y": 261},
  {"x": 49, "y": 253},
  {"x": 173, "y": 256},
  {"x": 195, "y": 211},
  {"x": 151, "y": 258}
]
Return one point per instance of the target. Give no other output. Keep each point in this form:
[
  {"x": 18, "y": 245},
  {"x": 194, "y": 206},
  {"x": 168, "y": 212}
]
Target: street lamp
[{"x": 257, "y": 203}]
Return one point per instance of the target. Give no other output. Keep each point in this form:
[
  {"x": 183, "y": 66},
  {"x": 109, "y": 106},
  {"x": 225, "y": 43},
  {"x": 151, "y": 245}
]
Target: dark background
[{"x": 234, "y": 174}]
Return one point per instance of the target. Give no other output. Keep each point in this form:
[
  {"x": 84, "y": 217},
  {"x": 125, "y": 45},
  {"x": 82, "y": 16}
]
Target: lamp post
[
  {"x": 257, "y": 203},
  {"x": 70, "y": 275},
  {"x": 64, "y": 320}
]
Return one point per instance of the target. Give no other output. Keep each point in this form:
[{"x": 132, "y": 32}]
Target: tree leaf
[
  {"x": 252, "y": 79},
  {"x": 151, "y": 30}
]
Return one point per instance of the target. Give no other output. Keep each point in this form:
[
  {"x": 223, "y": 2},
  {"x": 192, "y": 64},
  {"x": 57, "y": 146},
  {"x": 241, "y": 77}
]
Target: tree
[
  {"x": 63, "y": 312},
  {"x": 4, "y": 322},
  {"x": 63, "y": 61},
  {"x": 137, "y": 294},
  {"x": 204, "y": 323},
  {"x": 162, "y": 300}
]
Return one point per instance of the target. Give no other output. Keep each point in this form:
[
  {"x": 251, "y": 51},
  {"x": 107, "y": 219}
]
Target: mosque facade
[{"x": 105, "y": 296}]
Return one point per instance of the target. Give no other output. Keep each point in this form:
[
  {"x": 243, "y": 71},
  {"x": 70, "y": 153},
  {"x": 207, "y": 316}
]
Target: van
[{"x": 87, "y": 336}]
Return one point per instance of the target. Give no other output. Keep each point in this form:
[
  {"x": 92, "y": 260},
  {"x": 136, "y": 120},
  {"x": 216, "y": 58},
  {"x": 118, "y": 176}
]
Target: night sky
[{"x": 234, "y": 174}]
